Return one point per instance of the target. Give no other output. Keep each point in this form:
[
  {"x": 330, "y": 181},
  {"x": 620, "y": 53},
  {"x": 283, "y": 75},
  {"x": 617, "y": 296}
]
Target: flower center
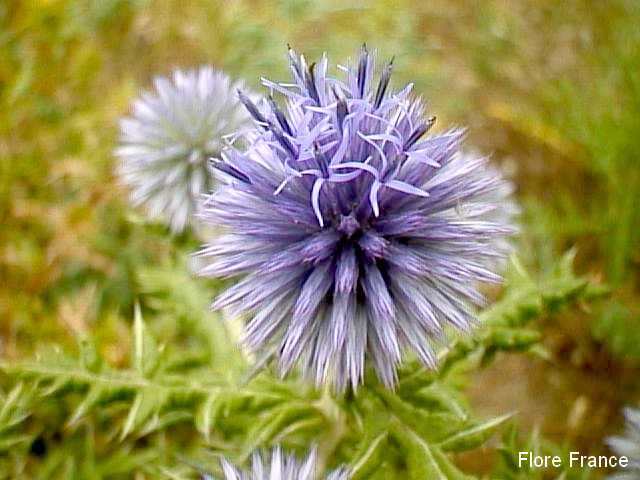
[{"x": 348, "y": 225}]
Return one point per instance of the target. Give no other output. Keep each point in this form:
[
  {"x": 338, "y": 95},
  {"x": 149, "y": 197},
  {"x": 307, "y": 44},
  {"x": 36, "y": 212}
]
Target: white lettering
[
  {"x": 596, "y": 461},
  {"x": 522, "y": 457},
  {"x": 530, "y": 460},
  {"x": 573, "y": 457},
  {"x": 538, "y": 461}
]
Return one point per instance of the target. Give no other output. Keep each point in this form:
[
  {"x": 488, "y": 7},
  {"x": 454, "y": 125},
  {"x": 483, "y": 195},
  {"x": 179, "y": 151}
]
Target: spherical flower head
[
  {"x": 280, "y": 467},
  {"x": 357, "y": 235},
  {"x": 169, "y": 137},
  {"x": 628, "y": 446}
]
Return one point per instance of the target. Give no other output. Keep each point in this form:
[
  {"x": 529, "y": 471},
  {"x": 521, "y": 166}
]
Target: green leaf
[
  {"x": 513, "y": 338},
  {"x": 145, "y": 355},
  {"x": 90, "y": 400},
  {"x": 207, "y": 414},
  {"x": 275, "y": 422},
  {"x": 473, "y": 436},
  {"x": 147, "y": 402},
  {"x": 439, "y": 396},
  {"x": 424, "y": 461},
  {"x": 433, "y": 426},
  {"x": 369, "y": 458},
  {"x": 8, "y": 442},
  {"x": 89, "y": 356}
]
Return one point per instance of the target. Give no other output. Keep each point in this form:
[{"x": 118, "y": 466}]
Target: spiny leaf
[
  {"x": 147, "y": 402},
  {"x": 10, "y": 403},
  {"x": 207, "y": 414},
  {"x": 145, "y": 355},
  {"x": 13, "y": 412},
  {"x": 162, "y": 421},
  {"x": 473, "y": 436},
  {"x": 310, "y": 427},
  {"x": 425, "y": 460},
  {"x": 366, "y": 461},
  {"x": 434, "y": 426},
  {"x": 56, "y": 375},
  {"x": 90, "y": 399},
  {"x": 440, "y": 396},
  {"x": 277, "y": 420}
]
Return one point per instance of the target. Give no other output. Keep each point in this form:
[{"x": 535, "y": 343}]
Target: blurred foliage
[
  {"x": 570, "y": 103},
  {"x": 553, "y": 90}
]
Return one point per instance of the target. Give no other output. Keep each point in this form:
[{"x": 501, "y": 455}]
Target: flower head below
[
  {"x": 166, "y": 142},
  {"x": 358, "y": 235},
  {"x": 628, "y": 445},
  {"x": 278, "y": 467}
]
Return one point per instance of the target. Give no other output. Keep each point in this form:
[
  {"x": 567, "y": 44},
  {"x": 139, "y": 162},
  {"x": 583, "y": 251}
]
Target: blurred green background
[{"x": 550, "y": 89}]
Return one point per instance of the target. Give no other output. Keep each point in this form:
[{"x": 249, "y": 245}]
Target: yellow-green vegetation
[{"x": 111, "y": 365}]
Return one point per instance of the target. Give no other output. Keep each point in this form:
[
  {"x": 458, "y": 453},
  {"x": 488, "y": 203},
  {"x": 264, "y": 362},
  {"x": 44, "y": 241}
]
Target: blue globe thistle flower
[
  {"x": 167, "y": 141},
  {"x": 358, "y": 235},
  {"x": 628, "y": 446},
  {"x": 279, "y": 467}
]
